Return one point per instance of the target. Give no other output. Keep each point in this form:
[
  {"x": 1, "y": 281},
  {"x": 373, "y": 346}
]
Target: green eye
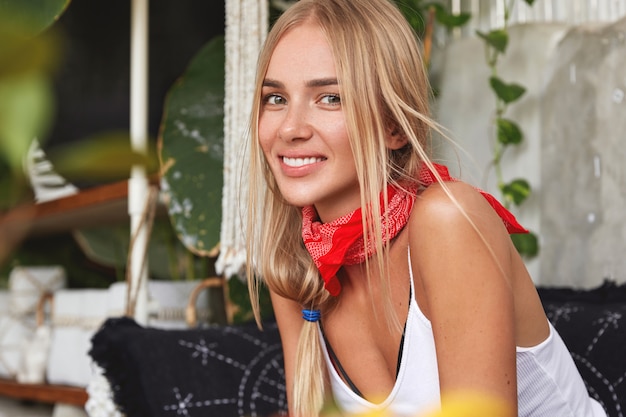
[
  {"x": 331, "y": 99},
  {"x": 274, "y": 99}
]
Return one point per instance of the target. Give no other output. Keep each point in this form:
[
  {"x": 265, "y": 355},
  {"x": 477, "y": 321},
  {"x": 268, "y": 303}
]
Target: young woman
[{"x": 392, "y": 283}]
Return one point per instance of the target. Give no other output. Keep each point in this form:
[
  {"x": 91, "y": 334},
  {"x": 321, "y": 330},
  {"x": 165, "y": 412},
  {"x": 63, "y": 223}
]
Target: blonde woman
[{"x": 392, "y": 283}]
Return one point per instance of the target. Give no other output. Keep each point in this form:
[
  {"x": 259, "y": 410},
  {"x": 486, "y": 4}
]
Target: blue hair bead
[{"x": 311, "y": 315}]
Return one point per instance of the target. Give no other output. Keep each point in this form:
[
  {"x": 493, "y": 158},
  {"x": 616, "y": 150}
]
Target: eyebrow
[{"x": 321, "y": 82}]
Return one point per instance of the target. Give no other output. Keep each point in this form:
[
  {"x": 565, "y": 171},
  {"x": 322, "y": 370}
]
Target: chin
[{"x": 297, "y": 201}]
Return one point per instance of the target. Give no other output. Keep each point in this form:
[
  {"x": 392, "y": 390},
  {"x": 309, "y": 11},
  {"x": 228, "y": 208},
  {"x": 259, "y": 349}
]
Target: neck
[{"x": 329, "y": 213}]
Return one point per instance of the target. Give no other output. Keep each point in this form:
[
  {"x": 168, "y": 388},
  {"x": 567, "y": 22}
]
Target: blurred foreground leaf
[
  {"x": 28, "y": 56},
  {"x": 30, "y": 17},
  {"x": 106, "y": 156},
  {"x": 26, "y": 105}
]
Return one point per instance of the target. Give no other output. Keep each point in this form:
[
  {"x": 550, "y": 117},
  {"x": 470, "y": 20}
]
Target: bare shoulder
[
  {"x": 455, "y": 207},
  {"x": 461, "y": 258},
  {"x": 457, "y": 239}
]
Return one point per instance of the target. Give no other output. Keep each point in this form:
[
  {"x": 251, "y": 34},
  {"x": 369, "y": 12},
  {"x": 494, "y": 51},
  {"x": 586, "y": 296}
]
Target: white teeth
[{"x": 298, "y": 162}]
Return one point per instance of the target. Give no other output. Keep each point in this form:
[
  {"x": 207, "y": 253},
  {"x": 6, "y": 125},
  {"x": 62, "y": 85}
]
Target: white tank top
[{"x": 548, "y": 383}]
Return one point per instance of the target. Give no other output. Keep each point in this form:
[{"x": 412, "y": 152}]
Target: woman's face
[{"x": 302, "y": 128}]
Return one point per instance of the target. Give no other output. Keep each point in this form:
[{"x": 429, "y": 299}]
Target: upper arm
[
  {"x": 463, "y": 266},
  {"x": 288, "y": 318}
]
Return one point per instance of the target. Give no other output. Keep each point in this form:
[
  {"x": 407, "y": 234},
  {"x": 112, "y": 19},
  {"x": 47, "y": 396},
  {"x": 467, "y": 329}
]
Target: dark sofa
[{"x": 237, "y": 370}]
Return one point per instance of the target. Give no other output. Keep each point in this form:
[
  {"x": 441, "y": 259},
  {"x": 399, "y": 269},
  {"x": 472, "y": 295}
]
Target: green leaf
[
  {"x": 14, "y": 188},
  {"x": 20, "y": 56},
  {"x": 192, "y": 150},
  {"x": 26, "y": 108},
  {"x": 413, "y": 11},
  {"x": 497, "y": 39},
  {"x": 506, "y": 92},
  {"x": 103, "y": 157},
  {"x": 239, "y": 296},
  {"x": 526, "y": 244},
  {"x": 509, "y": 132},
  {"x": 516, "y": 191},
  {"x": 30, "y": 17},
  {"x": 530, "y": 2},
  {"x": 450, "y": 20},
  {"x": 26, "y": 93},
  {"x": 109, "y": 246}
]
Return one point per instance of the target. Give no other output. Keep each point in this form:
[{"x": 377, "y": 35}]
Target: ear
[{"x": 395, "y": 139}]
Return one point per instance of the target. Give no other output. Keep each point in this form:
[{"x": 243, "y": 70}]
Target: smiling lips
[{"x": 299, "y": 162}]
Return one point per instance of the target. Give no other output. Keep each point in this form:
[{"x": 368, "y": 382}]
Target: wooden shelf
[
  {"x": 97, "y": 206},
  {"x": 104, "y": 204},
  {"x": 101, "y": 205},
  {"x": 44, "y": 393}
]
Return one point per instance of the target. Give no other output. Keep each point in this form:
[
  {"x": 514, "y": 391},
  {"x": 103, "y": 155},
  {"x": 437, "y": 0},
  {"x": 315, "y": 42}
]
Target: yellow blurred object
[
  {"x": 459, "y": 404},
  {"x": 471, "y": 404}
]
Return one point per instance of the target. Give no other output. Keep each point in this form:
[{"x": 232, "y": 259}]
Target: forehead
[{"x": 303, "y": 50}]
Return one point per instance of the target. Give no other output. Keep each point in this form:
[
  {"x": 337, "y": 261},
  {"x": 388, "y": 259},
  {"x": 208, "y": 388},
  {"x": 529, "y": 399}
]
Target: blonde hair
[{"x": 384, "y": 88}]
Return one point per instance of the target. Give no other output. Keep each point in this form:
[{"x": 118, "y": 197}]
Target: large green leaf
[
  {"x": 26, "y": 105},
  {"x": 27, "y": 58},
  {"x": 109, "y": 246},
  {"x": 30, "y": 16},
  {"x": 192, "y": 150},
  {"x": 103, "y": 157}
]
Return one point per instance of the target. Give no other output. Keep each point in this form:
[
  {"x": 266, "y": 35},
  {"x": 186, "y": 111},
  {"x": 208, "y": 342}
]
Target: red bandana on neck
[{"x": 341, "y": 242}]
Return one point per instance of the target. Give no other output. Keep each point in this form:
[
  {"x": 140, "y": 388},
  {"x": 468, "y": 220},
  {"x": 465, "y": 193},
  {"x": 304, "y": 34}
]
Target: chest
[
  {"x": 411, "y": 388},
  {"x": 366, "y": 327}
]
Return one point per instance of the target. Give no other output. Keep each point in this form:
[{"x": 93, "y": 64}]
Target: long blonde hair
[{"x": 384, "y": 88}]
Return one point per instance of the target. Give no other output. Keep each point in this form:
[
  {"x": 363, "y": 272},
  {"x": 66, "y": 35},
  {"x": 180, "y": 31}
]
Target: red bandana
[{"x": 341, "y": 242}]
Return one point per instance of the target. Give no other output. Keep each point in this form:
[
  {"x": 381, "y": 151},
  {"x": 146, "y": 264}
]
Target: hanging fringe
[{"x": 246, "y": 28}]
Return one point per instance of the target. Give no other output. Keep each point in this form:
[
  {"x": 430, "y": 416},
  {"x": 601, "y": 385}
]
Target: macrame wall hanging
[{"x": 246, "y": 28}]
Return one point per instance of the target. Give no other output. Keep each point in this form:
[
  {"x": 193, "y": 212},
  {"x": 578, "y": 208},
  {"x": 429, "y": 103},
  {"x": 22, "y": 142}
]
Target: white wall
[{"x": 538, "y": 58}]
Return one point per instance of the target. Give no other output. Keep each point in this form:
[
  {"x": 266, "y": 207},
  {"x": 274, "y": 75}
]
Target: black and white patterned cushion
[
  {"x": 592, "y": 324},
  {"x": 214, "y": 371}
]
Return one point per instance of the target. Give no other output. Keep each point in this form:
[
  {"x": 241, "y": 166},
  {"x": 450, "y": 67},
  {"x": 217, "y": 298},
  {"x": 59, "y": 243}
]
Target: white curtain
[{"x": 487, "y": 14}]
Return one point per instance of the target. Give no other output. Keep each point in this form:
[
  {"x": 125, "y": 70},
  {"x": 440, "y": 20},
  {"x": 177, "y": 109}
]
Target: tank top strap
[{"x": 408, "y": 252}]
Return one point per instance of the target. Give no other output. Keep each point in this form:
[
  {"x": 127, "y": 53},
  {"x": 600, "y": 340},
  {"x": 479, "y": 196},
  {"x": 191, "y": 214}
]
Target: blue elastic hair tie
[{"x": 311, "y": 315}]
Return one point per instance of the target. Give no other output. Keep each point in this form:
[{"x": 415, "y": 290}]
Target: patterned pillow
[
  {"x": 215, "y": 371},
  {"x": 592, "y": 324}
]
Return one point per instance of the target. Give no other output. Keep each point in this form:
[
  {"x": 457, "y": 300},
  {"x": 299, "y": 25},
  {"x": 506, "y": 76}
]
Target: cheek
[{"x": 339, "y": 134}]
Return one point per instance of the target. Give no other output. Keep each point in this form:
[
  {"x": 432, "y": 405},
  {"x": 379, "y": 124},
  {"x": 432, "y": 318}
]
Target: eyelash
[{"x": 273, "y": 96}]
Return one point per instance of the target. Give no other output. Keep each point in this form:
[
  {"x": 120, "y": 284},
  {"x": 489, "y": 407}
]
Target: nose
[{"x": 295, "y": 124}]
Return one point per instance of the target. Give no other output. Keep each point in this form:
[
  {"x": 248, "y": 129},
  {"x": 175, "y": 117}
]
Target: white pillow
[{"x": 28, "y": 283}]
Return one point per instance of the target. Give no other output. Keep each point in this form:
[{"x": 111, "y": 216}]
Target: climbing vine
[{"x": 508, "y": 133}]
